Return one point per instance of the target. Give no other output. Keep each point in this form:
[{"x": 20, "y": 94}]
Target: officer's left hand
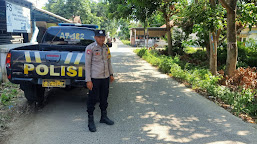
[{"x": 111, "y": 78}]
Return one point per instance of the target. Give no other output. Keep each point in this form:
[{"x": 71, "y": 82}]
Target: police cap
[{"x": 99, "y": 32}]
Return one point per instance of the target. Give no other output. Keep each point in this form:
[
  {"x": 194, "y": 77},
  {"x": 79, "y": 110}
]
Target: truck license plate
[{"x": 53, "y": 83}]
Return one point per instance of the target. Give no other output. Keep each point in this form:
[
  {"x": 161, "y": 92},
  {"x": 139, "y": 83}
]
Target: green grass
[
  {"x": 8, "y": 92},
  {"x": 126, "y": 42},
  {"x": 190, "y": 50},
  {"x": 8, "y": 102}
]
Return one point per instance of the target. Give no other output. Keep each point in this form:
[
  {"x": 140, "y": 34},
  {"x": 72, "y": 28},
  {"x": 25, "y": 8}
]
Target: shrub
[
  {"x": 141, "y": 52},
  {"x": 247, "y": 55},
  {"x": 200, "y": 55},
  {"x": 165, "y": 64},
  {"x": 222, "y": 55},
  {"x": 245, "y": 102}
]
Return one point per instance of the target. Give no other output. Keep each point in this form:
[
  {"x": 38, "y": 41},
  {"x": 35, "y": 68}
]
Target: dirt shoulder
[{"x": 12, "y": 105}]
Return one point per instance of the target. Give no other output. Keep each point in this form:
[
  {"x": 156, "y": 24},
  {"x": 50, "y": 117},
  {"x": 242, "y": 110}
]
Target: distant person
[
  {"x": 109, "y": 42},
  {"x": 99, "y": 74}
]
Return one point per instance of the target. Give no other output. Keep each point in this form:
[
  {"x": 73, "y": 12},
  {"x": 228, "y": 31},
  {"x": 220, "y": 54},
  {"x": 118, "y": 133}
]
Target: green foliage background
[{"x": 90, "y": 12}]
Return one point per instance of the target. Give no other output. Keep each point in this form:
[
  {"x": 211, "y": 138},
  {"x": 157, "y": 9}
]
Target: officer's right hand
[{"x": 90, "y": 85}]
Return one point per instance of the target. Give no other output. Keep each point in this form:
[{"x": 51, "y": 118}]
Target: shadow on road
[{"x": 151, "y": 107}]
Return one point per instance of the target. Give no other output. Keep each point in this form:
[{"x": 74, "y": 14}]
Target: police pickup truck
[{"x": 59, "y": 61}]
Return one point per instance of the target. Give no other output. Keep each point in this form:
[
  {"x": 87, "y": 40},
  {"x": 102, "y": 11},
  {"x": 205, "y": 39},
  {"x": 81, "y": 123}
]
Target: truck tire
[{"x": 33, "y": 92}]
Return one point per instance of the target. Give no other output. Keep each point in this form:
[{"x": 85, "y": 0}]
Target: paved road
[{"x": 147, "y": 106}]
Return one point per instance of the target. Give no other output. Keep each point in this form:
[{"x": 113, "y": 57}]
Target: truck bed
[{"x": 38, "y": 62}]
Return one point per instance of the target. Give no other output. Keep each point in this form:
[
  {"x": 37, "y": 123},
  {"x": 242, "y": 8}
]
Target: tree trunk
[
  {"x": 213, "y": 41},
  {"x": 169, "y": 39},
  {"x": 144, "y": 34},
  {"x": 213, "y": 52},
  {"x": 213, "y": 3},
  {"x": 168, "y": 28},
  {"x": 232, "y": 51}
]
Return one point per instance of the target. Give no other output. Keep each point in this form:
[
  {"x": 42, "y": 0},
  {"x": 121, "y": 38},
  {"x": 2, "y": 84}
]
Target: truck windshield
[{"x": 69, "y": 36}]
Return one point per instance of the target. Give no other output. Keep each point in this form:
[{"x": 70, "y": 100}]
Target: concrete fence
[{"x": 4, "y": 49}]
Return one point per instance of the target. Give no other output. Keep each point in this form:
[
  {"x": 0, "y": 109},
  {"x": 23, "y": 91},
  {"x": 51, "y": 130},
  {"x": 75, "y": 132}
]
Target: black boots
[
  {"x": 91, "y": 123},
  {"x": 105, "y": 119}
]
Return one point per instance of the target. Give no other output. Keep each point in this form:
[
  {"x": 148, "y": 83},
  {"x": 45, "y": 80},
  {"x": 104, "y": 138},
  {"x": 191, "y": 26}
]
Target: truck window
[{"x": 69, "y": 36}]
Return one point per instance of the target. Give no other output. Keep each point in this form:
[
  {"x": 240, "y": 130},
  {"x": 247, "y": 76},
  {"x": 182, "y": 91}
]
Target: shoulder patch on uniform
[{"x": 88, "y": 51}]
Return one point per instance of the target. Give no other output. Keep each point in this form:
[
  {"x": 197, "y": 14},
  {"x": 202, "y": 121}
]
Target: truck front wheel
[{"x": 33, "y": 92}]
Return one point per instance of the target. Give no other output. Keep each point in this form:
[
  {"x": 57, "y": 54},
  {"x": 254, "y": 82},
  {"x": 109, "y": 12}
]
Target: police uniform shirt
[{"x": 98, "y": 62}]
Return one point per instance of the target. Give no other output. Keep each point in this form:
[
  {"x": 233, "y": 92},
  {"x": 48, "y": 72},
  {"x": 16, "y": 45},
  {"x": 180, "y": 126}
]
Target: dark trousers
[{"x": 100, "y": 90}]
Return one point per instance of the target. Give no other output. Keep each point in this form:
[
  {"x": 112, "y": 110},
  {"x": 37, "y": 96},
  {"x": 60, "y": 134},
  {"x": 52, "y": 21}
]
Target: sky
[{"x": 41, "y": 3}]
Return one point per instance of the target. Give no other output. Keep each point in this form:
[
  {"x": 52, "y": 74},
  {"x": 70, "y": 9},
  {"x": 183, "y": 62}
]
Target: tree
[
  {"x": 125, "y": 25},
  {"x": 156, "y": 19},
  {"x": 213, "y": 23},
  {"x": 141, "y": 10},
  {"x": 70, "y": 8},
  {"x": 248, "y": 18},
  {"x": 120, "y": 9},
  {"x": 209, "y": 16},
  {"x": 101, "y": 15},
  {"x": 132, "y": 9},
  {"x": 56, "y": 7},
  {"x": 207, "y": 20},
  {"x": 246, "y": 15},
  {"x": 89, "y": 12},
  {"x": 232, "y": 51},
  {"x": 214, "y": 39},
  {"x": 168, "y": 10}
]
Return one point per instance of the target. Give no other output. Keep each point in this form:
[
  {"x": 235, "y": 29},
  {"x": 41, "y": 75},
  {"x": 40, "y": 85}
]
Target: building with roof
[
  {"x": 21, "y": 21},
  {"x": 247, "y": 34},
  {"x": 152, "y": 35}
]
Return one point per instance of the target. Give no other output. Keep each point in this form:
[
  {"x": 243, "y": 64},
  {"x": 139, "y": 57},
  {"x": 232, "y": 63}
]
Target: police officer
[{"x": 99, "y": 74}]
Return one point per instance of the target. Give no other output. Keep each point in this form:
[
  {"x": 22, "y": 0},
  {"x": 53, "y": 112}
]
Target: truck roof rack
[{"x": 79, "y": 25}]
